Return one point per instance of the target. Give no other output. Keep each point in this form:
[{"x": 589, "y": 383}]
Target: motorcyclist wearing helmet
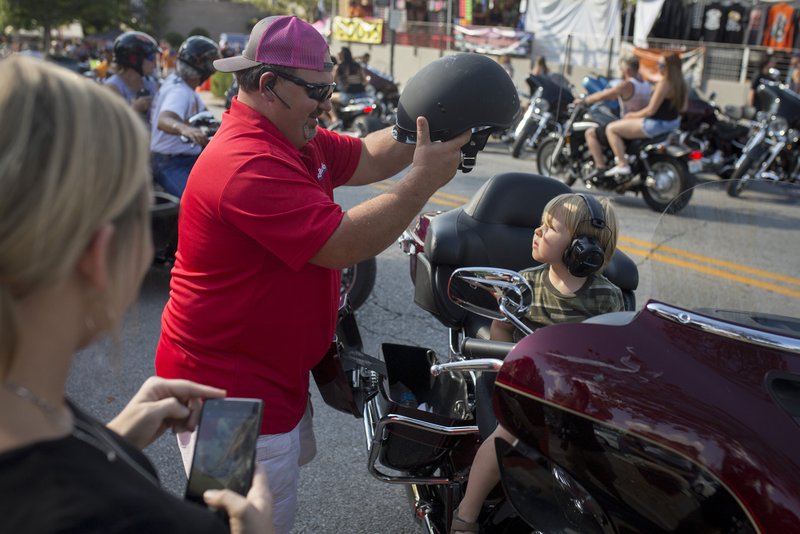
[
  {"x": 134, "y": 60},
  {"x": 176, "y": 102}
]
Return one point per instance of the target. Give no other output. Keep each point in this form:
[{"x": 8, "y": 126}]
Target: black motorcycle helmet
[
  {"x": 199, "y": 52},
  {"x": 458, "y": 93},
  {"x": 132, "y": 48}
]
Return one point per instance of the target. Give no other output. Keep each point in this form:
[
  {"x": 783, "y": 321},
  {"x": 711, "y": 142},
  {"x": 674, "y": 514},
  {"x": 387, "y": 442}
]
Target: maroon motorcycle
[
  {"x": 679, "y": 417},
  {"x": 422, "y": 430}
]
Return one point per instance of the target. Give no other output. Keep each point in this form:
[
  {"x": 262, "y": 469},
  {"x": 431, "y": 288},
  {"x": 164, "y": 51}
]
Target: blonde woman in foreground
[{"x": 74, "y": 246}]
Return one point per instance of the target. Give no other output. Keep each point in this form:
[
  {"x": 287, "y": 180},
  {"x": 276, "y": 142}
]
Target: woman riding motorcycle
[
  {"x": 350, "y": 82},
  {"x": 661, "y": 115}
]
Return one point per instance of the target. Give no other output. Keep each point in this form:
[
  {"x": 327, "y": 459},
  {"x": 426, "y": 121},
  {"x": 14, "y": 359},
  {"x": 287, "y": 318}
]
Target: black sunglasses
[{"x": 316, "y": 91}]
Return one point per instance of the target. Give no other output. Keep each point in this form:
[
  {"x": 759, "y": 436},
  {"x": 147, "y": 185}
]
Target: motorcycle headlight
[
  {"x": 778, "y": 126},
  {"x": 542, "y": 105}
]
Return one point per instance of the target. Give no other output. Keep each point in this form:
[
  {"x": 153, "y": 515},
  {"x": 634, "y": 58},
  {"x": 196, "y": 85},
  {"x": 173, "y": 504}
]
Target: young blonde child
[{"x": 576, "y": 239}]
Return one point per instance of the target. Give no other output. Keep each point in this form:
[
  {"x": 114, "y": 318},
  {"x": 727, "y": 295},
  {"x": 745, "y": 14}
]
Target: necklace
[
  {"x": 81, "y": 430},
  {"x": 55, "y": 414}
]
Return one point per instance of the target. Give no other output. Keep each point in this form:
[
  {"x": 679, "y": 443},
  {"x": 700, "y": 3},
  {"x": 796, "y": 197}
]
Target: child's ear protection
[{"x": 585, "y": 254}]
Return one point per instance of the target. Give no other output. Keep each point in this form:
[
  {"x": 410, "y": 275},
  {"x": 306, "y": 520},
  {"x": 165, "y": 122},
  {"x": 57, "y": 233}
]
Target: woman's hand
[
  {"x": 161, "y": 404},
  {"x": 246, "y": 515}
]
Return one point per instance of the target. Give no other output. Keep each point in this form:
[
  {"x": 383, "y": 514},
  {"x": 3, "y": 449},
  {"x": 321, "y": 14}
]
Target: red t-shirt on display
[{"x": 247, "y": 312}]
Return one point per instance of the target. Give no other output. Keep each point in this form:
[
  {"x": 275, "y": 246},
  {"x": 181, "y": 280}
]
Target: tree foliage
[
  {"x": 94, "y": 15},
  {"x": 304, "y": 9}
]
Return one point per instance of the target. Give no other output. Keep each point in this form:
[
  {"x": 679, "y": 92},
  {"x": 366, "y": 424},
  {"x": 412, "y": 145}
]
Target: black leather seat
[{"x": 494, "y": 229}]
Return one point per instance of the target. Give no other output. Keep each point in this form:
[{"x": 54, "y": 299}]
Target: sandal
[{"x": 459, "y": 525}]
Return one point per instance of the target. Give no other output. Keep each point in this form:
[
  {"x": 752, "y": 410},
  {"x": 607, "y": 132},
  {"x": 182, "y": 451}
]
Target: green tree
[
  {"x": 94, "y": 15},
  {"x": 304, "y": 9},
  {"x": 29, "y": 14}
]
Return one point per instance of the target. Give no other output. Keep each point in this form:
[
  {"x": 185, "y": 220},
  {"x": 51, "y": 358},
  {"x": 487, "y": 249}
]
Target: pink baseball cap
[{"x": 284, "y": 41}]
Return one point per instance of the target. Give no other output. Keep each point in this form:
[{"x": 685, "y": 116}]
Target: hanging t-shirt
[
  {"x": 713, "y": 25},
  {"x": 779, "y": 32},
  {"x": 695, "y": 12},
  {"x": 671, "y": 21},
  {"x": 735, "y": 23},
  {"x": 755, "y": 25}
]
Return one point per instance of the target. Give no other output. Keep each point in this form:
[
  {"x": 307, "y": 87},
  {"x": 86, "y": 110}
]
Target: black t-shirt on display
[
  {"x": 70, "y": 485},
  {"x": 735, "y": 24},
  {"x": 713, "y": 23}
]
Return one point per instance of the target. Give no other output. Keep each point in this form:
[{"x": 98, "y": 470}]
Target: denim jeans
[{"x": 172, "y": 171}]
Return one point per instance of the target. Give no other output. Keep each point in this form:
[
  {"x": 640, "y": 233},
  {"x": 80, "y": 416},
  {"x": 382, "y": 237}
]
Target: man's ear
[
  {"x": 93, "y": 265},
  {"x": 267, "y": 81}
]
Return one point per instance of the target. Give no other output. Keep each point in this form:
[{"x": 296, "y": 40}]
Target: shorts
[
  {"x": 282, "y": 455},
  {"x": 656, "y": 127}
]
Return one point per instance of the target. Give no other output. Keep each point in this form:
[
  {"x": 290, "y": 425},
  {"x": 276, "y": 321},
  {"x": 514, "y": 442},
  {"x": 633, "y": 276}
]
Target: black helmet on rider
[
  {"x": 458, "y": 93},
  {"x": 132, "y": 48},
  {"x": 199, "y": 52}
]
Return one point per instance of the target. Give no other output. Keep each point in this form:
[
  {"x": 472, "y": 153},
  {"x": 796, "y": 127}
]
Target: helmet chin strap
[{"x": 469, "y": 152}]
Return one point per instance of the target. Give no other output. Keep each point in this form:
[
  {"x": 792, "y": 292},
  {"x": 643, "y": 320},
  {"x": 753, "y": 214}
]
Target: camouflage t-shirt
[{"x": 597, "y": 295}]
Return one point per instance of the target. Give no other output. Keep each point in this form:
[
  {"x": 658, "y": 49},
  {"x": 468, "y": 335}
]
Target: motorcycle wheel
[
  {"x": 739, "y": 177},
  {"x": 358, "y": 281},
  {"x": 552, "y": 164},
  {"x": 366, "y": 124},
  {"x": 522, "y": 139},
  {"x": 670, "y": 187}
]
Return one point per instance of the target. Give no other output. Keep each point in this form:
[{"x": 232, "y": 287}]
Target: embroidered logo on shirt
[{"x": 321, "y": 171}]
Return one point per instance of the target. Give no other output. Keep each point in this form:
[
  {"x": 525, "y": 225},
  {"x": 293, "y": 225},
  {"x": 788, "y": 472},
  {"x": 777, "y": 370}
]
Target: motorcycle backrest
[
  {"x": 778, "y": 100},
  {"x": 556, "y": 94},
  {"x": 494, "y": 229}
]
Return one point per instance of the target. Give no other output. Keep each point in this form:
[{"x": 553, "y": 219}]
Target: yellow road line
[
  {"x": 714, "y": 261},
  {"x": 712, "y": 271}
]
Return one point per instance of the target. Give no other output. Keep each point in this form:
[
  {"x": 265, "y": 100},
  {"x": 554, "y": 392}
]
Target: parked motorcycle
[
  {"x": 718, "y": 137},
  {"x": 681, "y": 417},
  {"x": 358, "y": 281},
  {"x": 421, "y": 430},
  {"x": 772, "y": 151},
  {"x": 659, "y": 168},
  {"x": 546, "y": 109}
]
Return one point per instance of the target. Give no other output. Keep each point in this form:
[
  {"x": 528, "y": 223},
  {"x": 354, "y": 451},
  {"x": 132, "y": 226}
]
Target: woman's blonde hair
[
  {"x": 74, "y": 157},
  {"x": 574, "y": 214},
  {"x": 675, "y": 81}
]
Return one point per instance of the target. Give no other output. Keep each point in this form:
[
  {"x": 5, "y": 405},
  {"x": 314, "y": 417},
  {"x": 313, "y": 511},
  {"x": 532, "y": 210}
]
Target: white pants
[{"x": 281, "y": 455}]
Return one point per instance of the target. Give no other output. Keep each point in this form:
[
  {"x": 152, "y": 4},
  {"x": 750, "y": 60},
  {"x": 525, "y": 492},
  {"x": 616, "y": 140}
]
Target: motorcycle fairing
[{"x": 707, "y": 416}]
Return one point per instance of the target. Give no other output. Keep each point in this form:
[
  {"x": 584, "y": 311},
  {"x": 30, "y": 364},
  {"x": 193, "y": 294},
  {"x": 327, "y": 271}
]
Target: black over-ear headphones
[{"x": 585, "y": 255}]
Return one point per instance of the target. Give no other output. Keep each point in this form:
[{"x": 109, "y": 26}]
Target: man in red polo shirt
[{"x": 255, "y": 286}]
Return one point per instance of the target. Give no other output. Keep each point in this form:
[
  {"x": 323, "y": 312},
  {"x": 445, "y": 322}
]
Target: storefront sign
[{"x": 358, "y": 30}]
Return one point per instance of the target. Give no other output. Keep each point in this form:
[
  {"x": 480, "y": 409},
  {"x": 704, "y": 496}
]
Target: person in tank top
[{"x": 633, "y": 94}]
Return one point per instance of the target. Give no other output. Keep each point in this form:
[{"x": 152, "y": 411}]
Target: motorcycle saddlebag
[{"x": 418, "y": 447}]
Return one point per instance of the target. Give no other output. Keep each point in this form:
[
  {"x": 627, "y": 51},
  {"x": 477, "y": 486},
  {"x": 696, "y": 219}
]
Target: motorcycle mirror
[{"x": 494, "y": 293}]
